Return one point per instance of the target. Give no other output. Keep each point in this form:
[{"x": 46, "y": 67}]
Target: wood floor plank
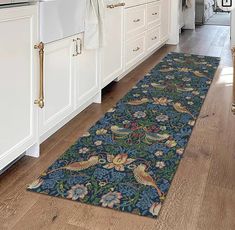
[
  {"x": 218, "y": 208},
  {"x": 17, "y": 201}
]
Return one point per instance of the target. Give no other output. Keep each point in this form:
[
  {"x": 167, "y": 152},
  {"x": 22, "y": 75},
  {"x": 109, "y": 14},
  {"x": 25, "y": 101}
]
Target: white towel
[{"x": 94, "y": 24}]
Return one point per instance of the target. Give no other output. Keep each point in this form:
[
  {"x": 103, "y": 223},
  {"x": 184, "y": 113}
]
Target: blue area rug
[{"x": 128, "y": 159}]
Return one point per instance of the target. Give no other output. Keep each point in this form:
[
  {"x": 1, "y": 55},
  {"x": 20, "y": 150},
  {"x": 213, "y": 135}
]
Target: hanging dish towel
[{"x": 94, "y": 24}]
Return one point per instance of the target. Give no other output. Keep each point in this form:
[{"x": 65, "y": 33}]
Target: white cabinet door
[
  {"x": 165, "y": 19},
  {"x": 18, "y": 81},
  {"x": 86, "y": 79},
  {"x": 112, "y": 52},
  {"x": 58, "y": 84}
]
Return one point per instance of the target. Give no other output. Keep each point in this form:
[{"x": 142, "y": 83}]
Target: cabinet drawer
[
  {"x": 130, "y": 3},
  {"x": 153, "y": 38},
  {"x": 135, "y": 21},
  {"x": 153, "y": 14},
  {"x": 135, "y": 49}
]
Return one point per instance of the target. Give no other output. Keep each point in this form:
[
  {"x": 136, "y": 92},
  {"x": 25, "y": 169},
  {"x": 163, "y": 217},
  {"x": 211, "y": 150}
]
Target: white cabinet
[
  {"x": 165, "y": 19},
  {"x": 18, "y": 82},
  {"x": 58, "y": 83},
  {"x": 70, "y": 82},
  {"x": 130, "y": 3},
  {"x": 111, "y": 57},
  {"x": 135, "y": 21},
  {"x": 87, "y": 83}
]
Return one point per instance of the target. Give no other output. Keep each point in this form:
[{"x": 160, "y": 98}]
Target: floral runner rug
[{"x": 128, "y": 159}]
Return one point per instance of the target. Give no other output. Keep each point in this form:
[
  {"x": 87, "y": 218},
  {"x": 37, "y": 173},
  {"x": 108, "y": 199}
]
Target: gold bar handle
[
  {"x": 77, "y": 50},
  {"x": 233, "y": 104},
  {"x": 112, "y": 6},
  {"x": 40, "y": 100}
]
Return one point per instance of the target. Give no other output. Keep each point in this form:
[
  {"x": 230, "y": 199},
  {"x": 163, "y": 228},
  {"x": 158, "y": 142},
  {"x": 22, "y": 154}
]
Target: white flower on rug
[
  {"x": 77, "y": 191},
  {"x": 155, "y": 209},
  {"x": 180, "y": 151},
  {"x": 126, "y": 122},
  {"x": 171, "y": 143},
  {"x": 162, "y": 128},
  {"x": 158, "y": 153},
  {"x": 101, "y": 132},
  {"x": 191, "y": 123},
  {"x": 186, "y": 79},
  {"x": 160, "y": 164},
  {"x": 139, "y": 114},
  {"x": 162, "y": 118},
  {"x": 195, "y": 93},
  {"x": 169, "y": 77},
  {"x": 98, "y": 143},
  {"x": 84, "y": 150},
  {"x": 110, "y": 199},
  {"x": 145, "y": 86}
]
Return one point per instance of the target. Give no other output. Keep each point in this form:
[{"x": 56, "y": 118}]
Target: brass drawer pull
[
  {"x": 154, "y": 38},
  {"x": 136, "y": 20},
  {"x": 154, "y": 14},
  {"x": 136, "y": 49},
  {"x": 40, "y": 100},
  {"x": 112, "y": 6}
]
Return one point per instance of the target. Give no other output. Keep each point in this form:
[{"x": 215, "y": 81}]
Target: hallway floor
[
  {"x": 219, "y": 19},
  {"x": 202, "y": 195}
]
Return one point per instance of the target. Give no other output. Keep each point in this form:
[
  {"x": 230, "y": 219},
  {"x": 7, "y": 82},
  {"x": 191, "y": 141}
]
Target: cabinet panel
[
  {"x": 18, "y": 115},
  {"x": 87, "y": 83},
  {"x": 58, "y": 83},
  {"x": 153, "y": 14},
  {"x": 153, "y": 38},
  {"x": 135, "y": 50},
  {"x": 135, "y": 21},
  {"x": 112, "y": 52},
  {"x": 130, "y": 3},
  {"x": 165, "y": 20}
]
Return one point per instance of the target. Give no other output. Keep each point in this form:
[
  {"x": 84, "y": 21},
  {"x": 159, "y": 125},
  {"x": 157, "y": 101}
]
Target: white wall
[
  {"x": 189, "y": 20},
  {"x": 189, "y": 16}
]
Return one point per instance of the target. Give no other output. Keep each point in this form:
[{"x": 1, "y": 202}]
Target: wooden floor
[{"x": 202, "y": 195}]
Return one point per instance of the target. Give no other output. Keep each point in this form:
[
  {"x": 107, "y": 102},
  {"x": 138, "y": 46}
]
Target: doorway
[
  {"x": 209, "y": 13},
  {"x": 219, "y": 17}
]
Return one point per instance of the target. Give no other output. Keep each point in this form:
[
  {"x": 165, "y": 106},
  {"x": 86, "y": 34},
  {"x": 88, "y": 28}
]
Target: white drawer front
[
  {"x": 153, "y": 38},
  {"x": 135, "y": 21},
  {"x": 135, "y": 49},
  {"x": 130, "y": 3},
  {"x": 153, "y": 14}
]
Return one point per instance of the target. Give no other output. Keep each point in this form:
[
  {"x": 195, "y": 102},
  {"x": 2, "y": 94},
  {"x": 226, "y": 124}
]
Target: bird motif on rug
[
  {"x": 120, "y": 131},
  {"x": 181, "y": 109},
  {"x": 198, "y": 74},
  {"x": 138, "y": 102},
  {"x": 167, "y": 70},
  {"x": 79, "y": 166},
  {"x": 157, "y": 136},
  {"x": 143, "y": 177}
]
